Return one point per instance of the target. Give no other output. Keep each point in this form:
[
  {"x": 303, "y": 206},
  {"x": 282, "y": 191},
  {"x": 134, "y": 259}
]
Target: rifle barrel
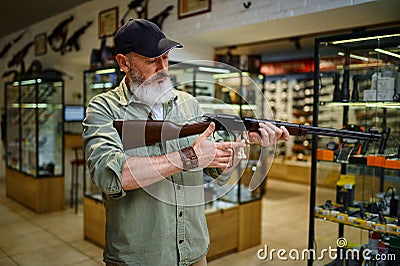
[
  {"x": 373, "y": 135},
  {"x": 252, "y": 124}
]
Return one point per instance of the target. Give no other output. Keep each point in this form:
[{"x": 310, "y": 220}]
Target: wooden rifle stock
[{"x": 138, "y": 133}]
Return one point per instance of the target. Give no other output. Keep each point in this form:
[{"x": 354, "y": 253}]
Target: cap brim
[{"x": 164, "y": 45}]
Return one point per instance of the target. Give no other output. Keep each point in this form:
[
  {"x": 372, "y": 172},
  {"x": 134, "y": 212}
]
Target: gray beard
[{"x": 151, "y": 92}]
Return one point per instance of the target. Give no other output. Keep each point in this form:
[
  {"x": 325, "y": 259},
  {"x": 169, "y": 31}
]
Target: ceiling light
[
  {"x": 355, "y": 56},
  {"x": 387, "y": 52},
  {"x": 366, "y": 38},
  {"x": 214, "y": 70}
]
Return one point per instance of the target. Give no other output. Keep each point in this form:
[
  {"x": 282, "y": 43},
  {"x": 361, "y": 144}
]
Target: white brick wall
[{"x": 231, "y": 13}]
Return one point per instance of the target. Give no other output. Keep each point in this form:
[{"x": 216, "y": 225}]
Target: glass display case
[
  {"x": 355, "y": 183},
  {"x": 100, "y": 80},
  {"x": 34, "y": 119},
  {"x": 35, "y": 144}
]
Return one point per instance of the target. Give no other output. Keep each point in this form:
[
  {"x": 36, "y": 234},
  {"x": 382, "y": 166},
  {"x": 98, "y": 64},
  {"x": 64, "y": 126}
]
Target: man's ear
[{"x": 123, "y": 62}]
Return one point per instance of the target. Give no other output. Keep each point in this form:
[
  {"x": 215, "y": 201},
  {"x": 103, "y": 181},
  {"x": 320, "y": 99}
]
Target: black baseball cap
[{"x": 144, "y": 38}]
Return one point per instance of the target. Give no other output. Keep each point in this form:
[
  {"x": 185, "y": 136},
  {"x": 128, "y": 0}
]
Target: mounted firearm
[
  {"x": 138, "y": 133},
  {"x": 160, "y": 17},
  {"x": 59, "y": 33},
  {"x": 73, "y": 41},
  {"x": 18, "y": 58},
  {"x": 9, "y": 45},
  {"x": 140, "y": 7}
]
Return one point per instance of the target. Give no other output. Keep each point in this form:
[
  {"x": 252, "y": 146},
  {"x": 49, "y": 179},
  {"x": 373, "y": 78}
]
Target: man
[{"x": 153, "y": 195}]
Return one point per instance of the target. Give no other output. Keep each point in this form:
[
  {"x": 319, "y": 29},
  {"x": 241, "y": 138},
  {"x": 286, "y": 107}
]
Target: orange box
[
  {"x": 324, "y": 155},
  {"x": 376, "y": 160},
  {"x": 394, "y": 164}
]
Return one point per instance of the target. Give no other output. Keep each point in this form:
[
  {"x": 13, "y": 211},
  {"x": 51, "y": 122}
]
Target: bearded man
[{"x": 153, "y": 195}]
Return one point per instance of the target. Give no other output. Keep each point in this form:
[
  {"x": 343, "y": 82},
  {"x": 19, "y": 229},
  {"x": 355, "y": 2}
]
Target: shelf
[
  {"x": 391, "y": 227},
  {"x": 387, "y": 104}
]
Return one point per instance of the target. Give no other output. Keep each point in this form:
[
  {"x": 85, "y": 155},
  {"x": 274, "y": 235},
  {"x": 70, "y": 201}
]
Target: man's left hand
[{"x": 269, "y": 134}]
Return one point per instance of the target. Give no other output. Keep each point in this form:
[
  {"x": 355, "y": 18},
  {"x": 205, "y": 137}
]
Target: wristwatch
[{"x": 189, "y": 158}]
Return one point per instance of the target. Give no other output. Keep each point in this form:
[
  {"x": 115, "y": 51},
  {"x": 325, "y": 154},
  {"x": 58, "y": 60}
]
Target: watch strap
[{"x": 189, "y": 158}]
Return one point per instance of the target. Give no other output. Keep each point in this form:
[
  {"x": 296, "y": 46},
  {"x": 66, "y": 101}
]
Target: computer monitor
[{"x": 74, "y": 113}]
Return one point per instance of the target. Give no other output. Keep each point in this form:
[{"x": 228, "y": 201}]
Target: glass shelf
[{"x": 394, "y": 105}]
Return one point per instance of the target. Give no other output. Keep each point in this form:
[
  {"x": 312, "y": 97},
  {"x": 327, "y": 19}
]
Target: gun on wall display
[
  {"x": 139, "y": 6},
  {"x": 160, "y": 17},
  {"x": 58, "y": 36},
  {"x": 8, "y": 46},
  {"x": 138, "y": 133},
  {"x": 73, "y": 41},
  {"x": 18, "y": 58}
]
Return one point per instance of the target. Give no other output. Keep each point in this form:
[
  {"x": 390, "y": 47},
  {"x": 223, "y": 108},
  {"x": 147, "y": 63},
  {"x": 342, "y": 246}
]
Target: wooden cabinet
[
  {"x": 42, "y": 195},
  {"x": 94, "y": 221}
]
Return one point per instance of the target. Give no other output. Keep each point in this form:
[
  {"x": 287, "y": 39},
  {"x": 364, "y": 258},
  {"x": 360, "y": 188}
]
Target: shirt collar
[{"x": 124, "y": 93}]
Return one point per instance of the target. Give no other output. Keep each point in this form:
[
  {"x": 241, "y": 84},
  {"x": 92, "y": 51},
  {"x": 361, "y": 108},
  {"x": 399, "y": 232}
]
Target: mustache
[{"x": 157, "y": 76}]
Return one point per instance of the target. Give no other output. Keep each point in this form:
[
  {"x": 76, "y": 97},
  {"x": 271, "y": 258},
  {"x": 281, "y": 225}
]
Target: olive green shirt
[{"x": 163, "y": 224}]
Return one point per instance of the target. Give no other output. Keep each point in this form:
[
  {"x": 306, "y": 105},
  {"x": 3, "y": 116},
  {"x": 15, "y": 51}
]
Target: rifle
[
  {"x": 140, "y": 7},
  {"x": 18, "y": 58},
  {"x": 9, "y": 45},
  {"x": 160, "y": 17},
  {"x": 59, "y": 33},
  {"x": 72, "y": 42},
  {"x": 138, "y": 133}
]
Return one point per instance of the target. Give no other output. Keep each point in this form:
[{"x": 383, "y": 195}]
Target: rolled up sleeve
[{"x": 103, "y": 148}]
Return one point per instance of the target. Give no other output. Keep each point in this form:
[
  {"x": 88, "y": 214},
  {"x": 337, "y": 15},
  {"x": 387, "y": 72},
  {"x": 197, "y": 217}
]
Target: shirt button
[
  {"x": 180, "y": 241},
  {"x": 180, "y": 214}
]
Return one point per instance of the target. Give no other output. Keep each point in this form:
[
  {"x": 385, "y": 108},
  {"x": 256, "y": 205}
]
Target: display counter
[
  {"x": 42, "y": 195},
  {"x": 34, "y": 144}
]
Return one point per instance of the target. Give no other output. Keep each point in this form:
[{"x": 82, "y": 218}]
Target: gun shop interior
[{"x": 328, "y": 71}]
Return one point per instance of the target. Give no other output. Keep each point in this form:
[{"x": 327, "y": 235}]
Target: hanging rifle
[
  {"x": 9, "y": 45},
  {"x": 59, "y": 33},
  {"x": 140, "y": 7},
  {"x": 160, "y": 17},
  {"x": 72, "y": 41},
  {"x": 18, "y": 58},
  {"x": 138, "y": 133}
]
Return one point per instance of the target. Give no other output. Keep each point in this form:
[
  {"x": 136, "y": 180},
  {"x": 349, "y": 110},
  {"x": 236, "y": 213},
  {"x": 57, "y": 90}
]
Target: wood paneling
[
  {"x": 94, "y": 221},
  {"x": 39, "y": 194},
  {"x": 222, "y": 227}
]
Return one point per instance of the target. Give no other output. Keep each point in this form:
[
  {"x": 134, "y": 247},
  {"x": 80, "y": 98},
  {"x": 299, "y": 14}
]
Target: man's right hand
[{"x": 215, "y": 154}]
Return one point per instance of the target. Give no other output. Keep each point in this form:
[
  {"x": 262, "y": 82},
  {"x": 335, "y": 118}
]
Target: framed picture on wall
[
  {"x": 108, "y": 22},
  {"x": 187, "y": 8},
  {"x": 40, "y": 44}
]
